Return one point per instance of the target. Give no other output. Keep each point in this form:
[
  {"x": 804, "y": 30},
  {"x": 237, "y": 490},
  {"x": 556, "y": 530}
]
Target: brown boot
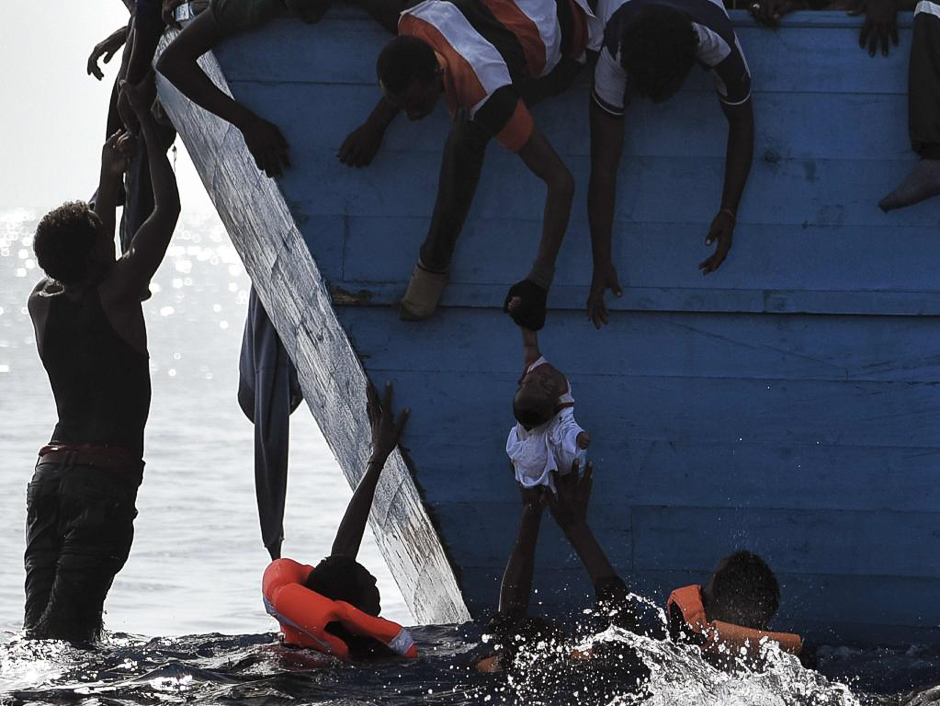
[{"x": 423, "y": 294}]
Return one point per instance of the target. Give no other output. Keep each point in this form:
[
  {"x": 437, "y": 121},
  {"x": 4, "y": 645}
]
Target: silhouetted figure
[{"x": 92, "y": 340}]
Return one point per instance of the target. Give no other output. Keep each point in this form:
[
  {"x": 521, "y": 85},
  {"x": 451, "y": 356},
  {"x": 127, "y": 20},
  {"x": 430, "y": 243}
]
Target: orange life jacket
[
  {"x": 304, "y": 614},
  {"x": 689, "y": 601}
]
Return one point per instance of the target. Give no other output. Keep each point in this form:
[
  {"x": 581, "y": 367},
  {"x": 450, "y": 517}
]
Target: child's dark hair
[
  {"x": 515, "y": 634},
  {"x": 657, "y": 50},
  {"x": 743, "y": 591},
  {"x": 532, "y": 410},
  {"x": 403, "y": 61},
  {"x": 339, "y": 578},
  {"x": 65, "y": 237}
]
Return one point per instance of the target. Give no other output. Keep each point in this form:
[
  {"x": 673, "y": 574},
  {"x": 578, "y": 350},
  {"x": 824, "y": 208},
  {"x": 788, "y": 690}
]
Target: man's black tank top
[{"x": 100, "y": 382}]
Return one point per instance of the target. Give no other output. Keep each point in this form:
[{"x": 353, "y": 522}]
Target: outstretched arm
[
  {"x": 114, "y": 157},
  {"x": 385, "y": 435},
  {"x": 738, "y": 158},
  {"x": 133, "y": 271},
  {"x": 105, "y": 50},
  {"x": 542, "y": 160},
  {"x": 517, "y": 578},
  {"x": 569, "y": 508},
  {"x": 178, "y": 64},
  {"x": 606, "y": 148},
  {"x": 362, "y": 144}
]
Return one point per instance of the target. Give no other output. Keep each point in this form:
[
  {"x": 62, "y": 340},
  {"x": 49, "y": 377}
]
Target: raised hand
[
  {"x": 881, "y": 24},
  {"x": 116, "y": 153},
  {"x": 569, "y": 506},
  {"x": 722, "y": 231},
  {"x": 604, "y": 278},
  {"x": 386, "y": 432}
]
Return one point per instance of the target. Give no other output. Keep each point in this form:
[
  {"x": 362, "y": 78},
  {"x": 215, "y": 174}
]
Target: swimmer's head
[
  {"x": 71, "y": 244},
  {"x": 657, "y": 50},
  {"x": 537, "y": 397},
  {"x": 743, "y": 591},
  {"x": 341, "y": 578},
  {"x": 410, "y": 76}
]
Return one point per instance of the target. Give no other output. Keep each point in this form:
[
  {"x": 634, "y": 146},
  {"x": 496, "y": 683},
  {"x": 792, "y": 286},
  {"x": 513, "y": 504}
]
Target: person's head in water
[
  {"x": 410, "y": 76},
  {"x": 514, "y": 635},
  {"x": 657, "y": 50},
  {"x": 537, "y": 397},
  {"x": 341, "y": 578},
  {"x": 71, "y": 244},
  {"x": 743, "y": 591}
]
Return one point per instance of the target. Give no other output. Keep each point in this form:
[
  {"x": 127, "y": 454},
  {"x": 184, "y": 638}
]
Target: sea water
[{"x": 185, "y": 620}]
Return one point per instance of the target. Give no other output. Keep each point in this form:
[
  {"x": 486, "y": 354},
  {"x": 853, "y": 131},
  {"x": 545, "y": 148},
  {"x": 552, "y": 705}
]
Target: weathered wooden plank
[
  {"x": 889, "y": 349},
  {"x": 293, "y": 291}
]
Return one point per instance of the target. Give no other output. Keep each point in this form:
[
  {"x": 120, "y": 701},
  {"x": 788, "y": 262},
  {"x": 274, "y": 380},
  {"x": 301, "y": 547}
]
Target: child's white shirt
[{"x": 553, "y": 446}]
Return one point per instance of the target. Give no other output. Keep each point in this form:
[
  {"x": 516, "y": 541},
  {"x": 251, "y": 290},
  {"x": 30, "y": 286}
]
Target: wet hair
[
  {"x": 403, "y": 61},
  {"x": 657, "y": 50},
  {"x": 340, "y": 578},
  {"x": 65, "y": 237},
  {"x": 532, "y": 408},
  {"x": 612, "y": 604},
  {"x": 744, "y": 591}
]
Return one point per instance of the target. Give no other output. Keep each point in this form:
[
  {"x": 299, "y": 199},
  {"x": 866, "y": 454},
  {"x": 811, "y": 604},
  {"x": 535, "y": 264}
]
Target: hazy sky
[{"x": 52, "y": 121}]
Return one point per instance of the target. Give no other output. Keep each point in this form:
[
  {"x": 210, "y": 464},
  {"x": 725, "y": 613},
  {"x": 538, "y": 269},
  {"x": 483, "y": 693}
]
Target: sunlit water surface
[{"x": 185, "y": 616}]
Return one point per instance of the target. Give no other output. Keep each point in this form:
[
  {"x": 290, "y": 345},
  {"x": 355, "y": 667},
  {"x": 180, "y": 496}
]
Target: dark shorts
[{"x": 79, "y": 529}]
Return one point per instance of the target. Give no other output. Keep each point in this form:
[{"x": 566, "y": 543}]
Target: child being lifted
[{"x": 546, "y": 437}]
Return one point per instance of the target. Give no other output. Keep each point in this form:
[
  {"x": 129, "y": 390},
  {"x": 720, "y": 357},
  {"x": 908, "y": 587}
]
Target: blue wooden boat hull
[{"x": 787, "y": 404}]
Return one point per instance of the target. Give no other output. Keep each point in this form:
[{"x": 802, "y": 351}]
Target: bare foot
[{"x": 922, "y": 183}]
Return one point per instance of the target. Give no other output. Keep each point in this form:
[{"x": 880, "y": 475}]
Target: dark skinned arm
[
  {"x": 385, "y": 435},
  {"x": 569, "y": 508},
  {"x": 516, "y": 588},
  {"x": 147, "y": 32},
  {"x": 114, "y": 157},
  {"x": 542, "y": 160},
  {"x": 738, "y": 158},
  {"x": 606, "y": 149},
  {"x": 105, "y": 50},
  {"x": 178, "y": 64},
  {"x": 132, "y": 273},
  {"x": 361, "y": 145}
]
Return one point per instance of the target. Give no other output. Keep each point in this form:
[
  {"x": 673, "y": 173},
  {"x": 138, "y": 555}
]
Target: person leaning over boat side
[
  {"x": 648, "y": 49},
  {"x": 339, "y": 577},
  {"x": 490, "y": 60},
  {"x": 178, "y": 64},
  {"x": 92, "y": 340}
]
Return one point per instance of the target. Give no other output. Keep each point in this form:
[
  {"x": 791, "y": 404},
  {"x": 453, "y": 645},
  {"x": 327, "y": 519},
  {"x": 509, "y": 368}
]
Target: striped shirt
[
  {"x": 487, "y": 47},
  {"x": 719, "y": 51}
]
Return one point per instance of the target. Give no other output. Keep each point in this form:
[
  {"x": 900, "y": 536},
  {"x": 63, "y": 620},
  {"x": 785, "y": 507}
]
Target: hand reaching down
[
  {"x": 267, "y": 145},
  {"x": 105, "y": 50},
  {"x": 525, "y": 303},
  {"x": 360, "y": 146},
  {"x": 386, "y": 432},
  {"x": 881, "y": 24},
  {"x": 722, "y": 231},
  {"x": 604, "y": 278}
]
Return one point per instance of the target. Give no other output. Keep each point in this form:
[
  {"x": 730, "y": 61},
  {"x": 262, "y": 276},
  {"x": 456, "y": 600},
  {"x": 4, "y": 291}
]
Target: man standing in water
[{"x": 93, "y": 343}]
